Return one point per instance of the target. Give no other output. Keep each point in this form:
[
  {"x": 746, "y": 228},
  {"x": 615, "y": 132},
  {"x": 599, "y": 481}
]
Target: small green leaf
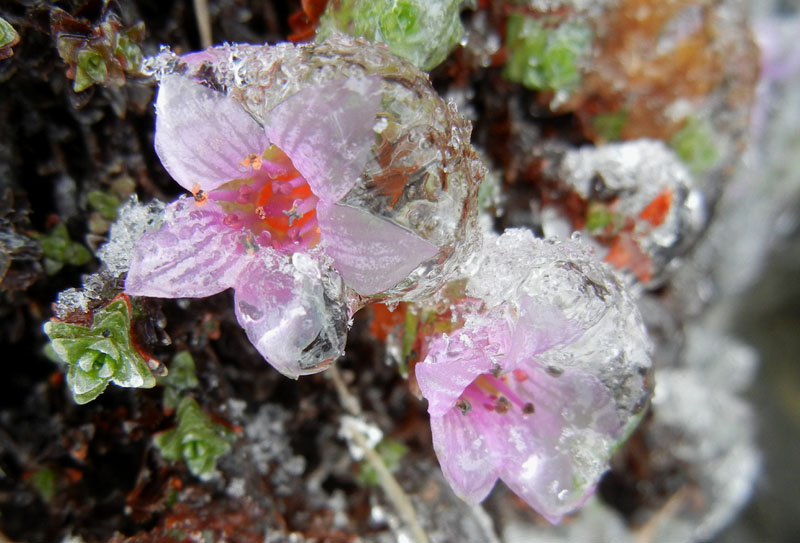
[
  {"x": 694, "y": 144},
  {"x": 391, "y": 452},
  {"x": 545, "y": 57},
  {"x": 181, "y": 377},
  {"x": 8, "y": 36},
  {"x": 91, "y": 69},
  {"x": 104, "y": 203},
  {"x": 45, "y": 481},
  {"x": 420, "y": 31},
  {"x": 599, "y": 218},
  {"x": 196, "y": 440},
  {"x": 100, "y": 354},
  {"x": 58, "y": 249},
  {"x": 609, "y": 126}
]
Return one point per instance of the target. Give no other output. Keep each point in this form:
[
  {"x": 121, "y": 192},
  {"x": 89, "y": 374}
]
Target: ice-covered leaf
[{"x": 100, "y": 354}]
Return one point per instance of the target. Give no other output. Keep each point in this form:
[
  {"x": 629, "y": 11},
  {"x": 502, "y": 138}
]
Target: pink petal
[
  {"x": 464, "y": 448},
  {"x": 282, "y": 308},
  {"x": 327, "y": 131},
  {"x": 540, "y": 467},
  {"x": 539, "y": 328},
  {"x": 202, "y": 135},
  {"x": 192, "y": 255},
  {"x": 453, "y": 362},
  {"x": 371, "y": 254}
]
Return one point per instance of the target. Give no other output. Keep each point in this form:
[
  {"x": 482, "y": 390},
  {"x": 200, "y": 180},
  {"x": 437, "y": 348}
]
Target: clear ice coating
[
  {"x": 422, "y": 31},
  {"x": 421, "y": 173},
  {"x": 641, "y": 203},
  {"x": 544, "y": 381},
  {"x": 312, "y": 193}
]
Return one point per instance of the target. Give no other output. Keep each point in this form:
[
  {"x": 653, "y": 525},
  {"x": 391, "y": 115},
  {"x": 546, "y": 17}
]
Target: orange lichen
[
  {"x": 625, "y": 253},
  {"x": 656, "y": 211}
]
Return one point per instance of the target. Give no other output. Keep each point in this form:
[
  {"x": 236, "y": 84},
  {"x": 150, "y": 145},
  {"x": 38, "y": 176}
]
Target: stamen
[
  {"x": 292, "y": 212},
  {"x": 200, "y": 196},
  {"x": 502, "y": 406},
  {"x": 464, "y": 406},
  {"x": 252, "y": 161}
]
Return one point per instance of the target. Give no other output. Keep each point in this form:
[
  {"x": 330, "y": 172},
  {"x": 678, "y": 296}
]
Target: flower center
[
  {"x": 492, "y": 393},
  {"x": 274, "y": 203}
]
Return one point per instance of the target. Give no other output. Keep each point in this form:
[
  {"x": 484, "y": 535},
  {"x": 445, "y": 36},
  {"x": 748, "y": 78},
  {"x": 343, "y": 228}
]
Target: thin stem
[
  {"x": 396, "y": 494},
  {"x": 203, "y": 22}
]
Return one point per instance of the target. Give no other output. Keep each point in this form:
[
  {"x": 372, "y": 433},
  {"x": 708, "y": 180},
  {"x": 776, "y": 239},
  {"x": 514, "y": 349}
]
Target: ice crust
[
  {"x": 635, "y": 173},
  {"x": 422, "y": 173},
  {"x": 567, "y": 276}
]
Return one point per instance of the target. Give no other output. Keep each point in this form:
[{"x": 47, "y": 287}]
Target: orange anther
[
  {"x": 252, "y": 161},
  {"x": 200, "y": 196}
]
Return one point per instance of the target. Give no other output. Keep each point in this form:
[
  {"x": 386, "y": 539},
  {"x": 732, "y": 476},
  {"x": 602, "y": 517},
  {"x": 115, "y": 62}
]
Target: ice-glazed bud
[
  {"x": 542, "y": 383},
  {"x": 101, "y": 353},
  {"x": 640, "y": 204},
  {"x": 311, "y": 194},
  {"x": 422, "y": 31},
  {"x": 418, "y": 171}
]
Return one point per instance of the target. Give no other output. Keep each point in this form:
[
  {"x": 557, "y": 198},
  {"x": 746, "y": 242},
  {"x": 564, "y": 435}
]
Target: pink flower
[
  {"x": 266, "y": 220},
  {"x": 526, "y": 394}
]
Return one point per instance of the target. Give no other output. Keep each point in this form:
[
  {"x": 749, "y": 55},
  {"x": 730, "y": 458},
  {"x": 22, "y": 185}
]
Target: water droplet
[{"x": 250, "y": 311}]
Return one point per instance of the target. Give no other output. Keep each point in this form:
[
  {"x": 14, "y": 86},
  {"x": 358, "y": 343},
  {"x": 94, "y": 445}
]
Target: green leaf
[
  {"x": 421, "y": 31},
  {"x": 544, "y": 56},
  {"x": 104, "y": 203},
  {"x": 196, "y": 440},
  {"x": 59, "y": 249},
  {"x": 45, "y": 481},
  {"x": 609, "y": 126},
  {"x": 100, "y": 354},
  {"x": 181, "y": 377},
  {"x": 91, "y": 68},
  {"x": 391, "y": 452},
  {"x": 8, "y": 36},
  {"x": 694, "y": 144}
]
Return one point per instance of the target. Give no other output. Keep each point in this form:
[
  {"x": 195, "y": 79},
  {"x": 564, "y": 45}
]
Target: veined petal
[
  {"x": 455, "y": 361},
  {"x": 282, "y": 306},
  {"x": 192, "y": 255},
  {"x": 562, "y": 448},
  {"x": 371, "y": 253},
  {"x": 464, "y": 448},
  {"x": 202, "y": 135},
  {"x": 539, "y": 328},
  {"x": 327, "y": 131}
]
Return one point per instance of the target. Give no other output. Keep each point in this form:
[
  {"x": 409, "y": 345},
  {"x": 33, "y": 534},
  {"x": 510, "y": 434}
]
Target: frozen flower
[
  {"x": 265, "y": 218},
  {"x": 539, "y": 389}
]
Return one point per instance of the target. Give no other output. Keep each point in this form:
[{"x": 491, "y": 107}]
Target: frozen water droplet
[{"x": 250, "y": 311}]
